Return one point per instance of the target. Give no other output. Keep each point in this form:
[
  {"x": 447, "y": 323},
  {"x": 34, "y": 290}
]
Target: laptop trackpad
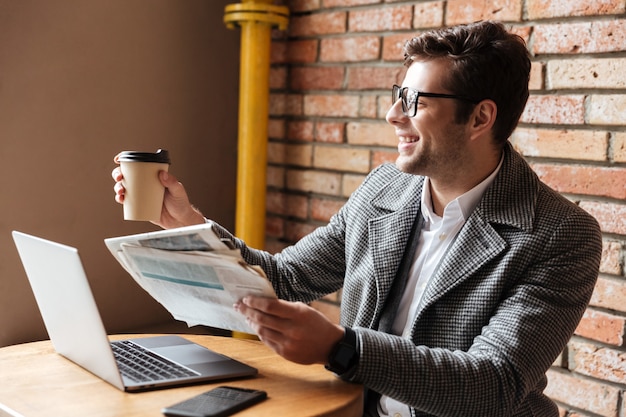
[{"x": 189, "y": 354}]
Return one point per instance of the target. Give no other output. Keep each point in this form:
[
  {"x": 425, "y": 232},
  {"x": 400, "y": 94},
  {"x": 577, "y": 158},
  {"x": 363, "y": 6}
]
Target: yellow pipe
[{"x": 256, "y": 20}]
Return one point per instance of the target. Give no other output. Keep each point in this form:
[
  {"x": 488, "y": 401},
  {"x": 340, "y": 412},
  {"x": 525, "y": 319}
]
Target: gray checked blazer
[{"x": 498, "y": 311}]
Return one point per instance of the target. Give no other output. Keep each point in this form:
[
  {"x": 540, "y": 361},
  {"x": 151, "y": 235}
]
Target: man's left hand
[{"x": 294, "y": 330}]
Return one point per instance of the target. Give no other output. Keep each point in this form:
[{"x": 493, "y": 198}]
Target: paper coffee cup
[{"x": 143, "y": 199}]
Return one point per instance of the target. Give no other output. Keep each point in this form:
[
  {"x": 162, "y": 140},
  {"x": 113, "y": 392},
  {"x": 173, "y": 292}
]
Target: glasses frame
[{"x": 398, "y": 93}]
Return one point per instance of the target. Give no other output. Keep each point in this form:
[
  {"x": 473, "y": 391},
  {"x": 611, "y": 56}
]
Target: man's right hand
[{"x": 177, "y": 211}]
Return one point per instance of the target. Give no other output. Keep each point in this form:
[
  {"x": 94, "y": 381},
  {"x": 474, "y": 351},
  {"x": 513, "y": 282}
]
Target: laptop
[{"x": 71, "y": 317}]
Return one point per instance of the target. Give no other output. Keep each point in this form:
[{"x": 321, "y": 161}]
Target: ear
[{"x": 483, "y": 118}]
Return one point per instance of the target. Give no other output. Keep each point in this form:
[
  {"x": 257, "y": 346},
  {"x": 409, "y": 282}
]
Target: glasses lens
[
  {"x": 408, "y": 97},
  {"x": 395, "y": 94}
]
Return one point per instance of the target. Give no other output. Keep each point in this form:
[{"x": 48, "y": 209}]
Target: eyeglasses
[{"x": 410, "y": 96}]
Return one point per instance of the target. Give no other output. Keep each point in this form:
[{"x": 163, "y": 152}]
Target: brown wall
[{"x": 82, "y": 80}]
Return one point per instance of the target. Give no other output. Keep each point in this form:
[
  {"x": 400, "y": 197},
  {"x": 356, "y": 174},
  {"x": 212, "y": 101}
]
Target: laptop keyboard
[{"x": 141, "y": 365}]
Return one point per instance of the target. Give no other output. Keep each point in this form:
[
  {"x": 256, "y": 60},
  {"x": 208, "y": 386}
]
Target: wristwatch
[{"x": 345, "y": 354}]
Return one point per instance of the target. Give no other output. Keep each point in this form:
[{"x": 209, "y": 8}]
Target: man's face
[{"x": 431, "y": 142}]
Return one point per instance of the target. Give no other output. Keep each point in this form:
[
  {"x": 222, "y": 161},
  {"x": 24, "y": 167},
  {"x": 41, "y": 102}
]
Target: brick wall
[{"x": 330, "y": 80}]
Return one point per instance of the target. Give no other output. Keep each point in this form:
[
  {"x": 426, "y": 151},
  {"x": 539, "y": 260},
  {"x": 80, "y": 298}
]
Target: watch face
[{"x": 344, "y": 356}]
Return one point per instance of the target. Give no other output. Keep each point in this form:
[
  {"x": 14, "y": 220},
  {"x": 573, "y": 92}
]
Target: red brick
[
  {"x": 603, "y": 327},
  {"x": 607, "y": 109},
  {"x": 609, "y": 293},
  {"x": 330, "y": 132},
  {"x": 275, "y": 202},
  {"x": 605, "y": 73},
  {"x": 303, "y": 5},
  {"x": 350, "y": 49},
  {"x": 278, "y": 78},
  {"x": 619, "y": 147},
  {"x": 276, "y": 152},
  {"x": 297, "y": 206},
  {"x": 294, "y": 231},
  {"x": 372, "y": 78},
  {"x": 341, "y": 158},
  {"x": 348, "y": 3},
  {"x": 304, "y": 51},
  {"x": 612, "y": 217},
  {"x": 322, "y": 209},
  {"x": 562, "y": 143},
  {"x": 471, "y": 11},
  {"x": 523, "y": 32},
  {"x": 316, "y": 78},
  {"x": 285, "y": 104},
  {"x": 542, "y": 9},
  {"x": 587, "y": 180},
  {"x": 584, "y": 394},
  {"x": 368, "y": 107},
  {"x": 598, "y": 362},
  {"x": 580, "y": 38},
  {"x": 371, "y": 134},
  {"x": 384, "y": 103},
  {"x": 299, "y": 155},
  {"x": 278, "y": 52},
  {"x": 331, "y": 105},
  {"x": 275, "y": 176},
  {"x": 276, "y": 128},
  {"x": 552, "y": 109},
  {"x": 350, "y": 183},
  {"x": 300, "y": 130},
  {"x": 314, "y": 181},
  {"x": 274, "y": 226},
  {"x": 323, "y": 23},
  {"x": 536, "y": 81},
  {"x": 611, "y": 256},
  {"x": 428, "y": 14},
  {"x": 380, "y": 19},
  {"x": 381, "y": 157},
  {"x": 393, "y": 46}
]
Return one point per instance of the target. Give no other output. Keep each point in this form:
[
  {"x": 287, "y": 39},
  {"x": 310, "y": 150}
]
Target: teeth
[{"x": 407, "y": 140}]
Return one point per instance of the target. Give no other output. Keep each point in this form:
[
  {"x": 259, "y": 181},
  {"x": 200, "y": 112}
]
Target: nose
[{"x": 395, "y": 114}]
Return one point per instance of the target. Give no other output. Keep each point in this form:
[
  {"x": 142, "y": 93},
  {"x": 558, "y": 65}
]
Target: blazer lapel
[
  {"x": 476, "y": 244},
  {"x": 389, "y": 233}
]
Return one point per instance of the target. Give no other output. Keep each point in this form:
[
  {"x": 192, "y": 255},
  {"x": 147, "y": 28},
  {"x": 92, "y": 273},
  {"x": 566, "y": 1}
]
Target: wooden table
[{"x": 36, "y": 381}]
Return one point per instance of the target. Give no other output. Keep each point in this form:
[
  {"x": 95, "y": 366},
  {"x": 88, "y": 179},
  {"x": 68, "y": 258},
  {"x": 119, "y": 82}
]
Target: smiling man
[{"x": 463, "y": 275}]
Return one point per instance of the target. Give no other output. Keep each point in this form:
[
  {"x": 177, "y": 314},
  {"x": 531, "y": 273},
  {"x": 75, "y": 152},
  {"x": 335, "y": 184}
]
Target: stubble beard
[{"x": 445, "y": 162}]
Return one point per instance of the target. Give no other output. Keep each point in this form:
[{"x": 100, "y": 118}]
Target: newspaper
[{"x": 196, "y": 276}]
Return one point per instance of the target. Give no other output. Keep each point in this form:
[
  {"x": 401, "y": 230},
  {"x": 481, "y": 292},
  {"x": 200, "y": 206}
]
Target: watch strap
[{"x": 344, "y": 356}]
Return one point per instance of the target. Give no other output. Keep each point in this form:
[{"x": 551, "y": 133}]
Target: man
[{"x": 463, "y": 275}]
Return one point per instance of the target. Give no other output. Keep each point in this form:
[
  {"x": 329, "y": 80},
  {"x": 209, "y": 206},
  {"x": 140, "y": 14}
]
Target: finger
[
  {"x": 263, "y": 322},
  {"x": 119, "y": 192},
  {"x": 173, "y": 186},
  {"x": 272, "y": 306},
  {"x": 117, "y": 174},
  {"x": 116, "y": 158}
]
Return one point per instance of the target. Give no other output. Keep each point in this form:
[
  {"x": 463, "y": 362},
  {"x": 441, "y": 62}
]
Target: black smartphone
[{"x": 218, "y": 402}]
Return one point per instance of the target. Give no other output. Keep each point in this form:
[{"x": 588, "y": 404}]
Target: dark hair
[{"x": 487, "y": 62}]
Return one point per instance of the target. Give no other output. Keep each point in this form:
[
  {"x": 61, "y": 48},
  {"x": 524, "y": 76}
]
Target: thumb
[{"x": 172, "y": 185}]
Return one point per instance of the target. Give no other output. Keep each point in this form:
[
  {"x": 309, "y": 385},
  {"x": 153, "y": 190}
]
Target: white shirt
[{"x": 436, "y": 236}]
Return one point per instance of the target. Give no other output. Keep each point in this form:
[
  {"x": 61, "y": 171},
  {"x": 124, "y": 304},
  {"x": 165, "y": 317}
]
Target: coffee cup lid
[{"x": 160, "y": 156}]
